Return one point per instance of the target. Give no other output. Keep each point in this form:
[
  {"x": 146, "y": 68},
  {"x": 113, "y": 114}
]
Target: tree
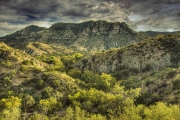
[
  {"x": 75, "y": 73},
  {"x": 10, "y": 108},
  {"x": 28, "y": 101},
  {"x": 47, "y": 105},
  {"x": 47, "y": 92},
  {"x": 105, "y": 82},
  {"x": 171, "y": 74},
  {"x": 69, "y": 60},
  {"x": 38, "y": 117}
]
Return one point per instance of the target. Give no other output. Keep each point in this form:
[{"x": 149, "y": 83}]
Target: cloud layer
[{"x": 141, "y": 15}]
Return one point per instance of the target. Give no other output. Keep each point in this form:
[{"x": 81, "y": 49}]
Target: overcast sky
[{"x": 141, "y": 15}]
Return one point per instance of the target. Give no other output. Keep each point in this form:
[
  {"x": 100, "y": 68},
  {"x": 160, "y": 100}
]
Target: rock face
[
  {"x": 87, "y": 36},
  {"x": 146, "y": 56}
]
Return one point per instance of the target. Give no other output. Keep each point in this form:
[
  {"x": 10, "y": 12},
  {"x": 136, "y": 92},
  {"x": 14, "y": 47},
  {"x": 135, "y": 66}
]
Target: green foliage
[
  {"x": 10, "y": 108},
  {"x": 75, "y": 73},
  {"x": 106, "y": 82},
  {"x": 27, "y": 101},
  {"x": 40, "y": 84},
  {"x": 176, "y": 84},
  {"x": 27, "y": 62},
  {"x": 161, "y": 111},
  {"x": 47, "y": 92},
  {"x": 37, "y": 69},
  {"x": 56, "y": 83},
  {"x": 51, "y": 94},
  {"x": 113, "y": 103},
  {"x": 7, "y": 63},
  {"x": 38, "y": 117},
  {"x": 24, "y": 68},
  {"x": 171, "y": 74},
  {"x": 69, "y": 60},
  {"x": 7, "y": 80},
  {"x": 101, "y": 82},
  {"x": 54, "y": 62},
  {"x": 79, "y": 114},
  {"x": 47, "y": 105}
]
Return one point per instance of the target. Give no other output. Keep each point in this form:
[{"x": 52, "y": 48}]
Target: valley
[{"x": 95, "y": 70}]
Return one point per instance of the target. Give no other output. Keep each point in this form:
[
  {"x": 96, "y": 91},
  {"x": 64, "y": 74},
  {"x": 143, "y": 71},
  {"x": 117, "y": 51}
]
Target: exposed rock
[{"x": 146, "y": 56}]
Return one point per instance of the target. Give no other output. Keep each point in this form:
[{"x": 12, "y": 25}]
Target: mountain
[
  {"x": 149, "y": 34},
  {"x": 86, "y": 36},
  {"x": 146, "y": 56},
  {"x": 102, "y": 86}
]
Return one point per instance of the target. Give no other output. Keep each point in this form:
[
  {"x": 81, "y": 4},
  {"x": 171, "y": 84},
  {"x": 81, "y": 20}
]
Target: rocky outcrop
[{"x": 146, "y": 56}]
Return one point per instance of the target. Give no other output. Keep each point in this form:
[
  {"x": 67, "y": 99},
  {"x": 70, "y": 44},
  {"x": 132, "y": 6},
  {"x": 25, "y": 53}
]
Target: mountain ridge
[
  {"x": 149, "y": 55},
  {"x": 86, "y": 36}
]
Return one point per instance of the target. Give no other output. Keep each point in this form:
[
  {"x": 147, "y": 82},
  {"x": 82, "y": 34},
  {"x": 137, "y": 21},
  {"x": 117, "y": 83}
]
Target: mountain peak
[
  {"x": 34, "y": 28},
  {"x": 87, "y": 36}
]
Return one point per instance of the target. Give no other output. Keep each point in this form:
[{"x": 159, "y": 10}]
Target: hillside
[
  {"x": 46, "y": 86},
  {"x": 15, "y": 65},
  {"x": 27, "y": 77},
  {"x": 152, "y": 64},
  {"x": 149, "y": 55},
  {"x": 89, "y": 72},
  {"x": 86, "y": 36}
]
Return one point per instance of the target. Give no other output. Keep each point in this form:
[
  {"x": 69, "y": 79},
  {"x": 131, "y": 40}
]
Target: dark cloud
[
  {"x": 74, "y": 13},
  {"x": 178, "y": 14},
  {"x": 139, "y": 14}
]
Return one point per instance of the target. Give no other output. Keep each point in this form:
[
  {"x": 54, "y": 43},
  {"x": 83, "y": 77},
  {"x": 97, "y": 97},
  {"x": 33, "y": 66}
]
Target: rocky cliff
[
  {"x": 146, "y": 56},
  {"x": 86, "y": 36}
]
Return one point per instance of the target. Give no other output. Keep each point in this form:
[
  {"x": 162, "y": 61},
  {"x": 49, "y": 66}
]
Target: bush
[
  {"x": 6, "y": 63},
  {"x": 176, "y": 84},
  {"x": 24, "y": 68},
  {"x": 75, "y": 73},
  {"x": 38, "y": 117}
]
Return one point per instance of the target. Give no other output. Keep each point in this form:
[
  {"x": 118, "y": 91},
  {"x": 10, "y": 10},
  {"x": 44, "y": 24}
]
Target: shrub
[
  {"x": 176, "y": 84},
  {"x": 38, "y": 117},
  {"x": 24, "y": 68}
]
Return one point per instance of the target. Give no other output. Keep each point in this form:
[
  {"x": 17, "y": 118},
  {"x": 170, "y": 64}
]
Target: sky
[{"x": 140, "y": 15}]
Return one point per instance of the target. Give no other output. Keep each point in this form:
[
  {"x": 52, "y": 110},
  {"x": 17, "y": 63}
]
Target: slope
[
  {"x": 20, "y": 71},
  {"x": 146, "y": 56}
]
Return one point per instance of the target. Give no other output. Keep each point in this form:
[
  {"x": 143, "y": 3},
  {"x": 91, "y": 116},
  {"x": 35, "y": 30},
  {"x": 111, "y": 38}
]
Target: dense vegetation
[{"x": 48, "y": 87}]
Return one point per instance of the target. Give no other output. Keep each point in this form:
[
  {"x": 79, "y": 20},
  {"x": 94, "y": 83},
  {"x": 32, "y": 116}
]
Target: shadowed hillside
[{"x": 147, "y": 56}]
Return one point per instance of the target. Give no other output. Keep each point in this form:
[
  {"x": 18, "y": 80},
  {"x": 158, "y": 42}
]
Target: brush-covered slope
[
  {"x": 86, "y": 36},
  {"x": 163, "y": 85},
  {"x": 151, "y": 64},
  {"x": 31, "y": 89},
  {"x": 146, "y": 56},
  {"x": 39, "y": 48},
  {"x": 15, "y": 64},
  {"x": 20, "y": 70}
]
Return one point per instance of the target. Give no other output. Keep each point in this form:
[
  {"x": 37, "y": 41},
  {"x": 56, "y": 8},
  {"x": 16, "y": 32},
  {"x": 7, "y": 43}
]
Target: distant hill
[{"x": 148, "y": 34}]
